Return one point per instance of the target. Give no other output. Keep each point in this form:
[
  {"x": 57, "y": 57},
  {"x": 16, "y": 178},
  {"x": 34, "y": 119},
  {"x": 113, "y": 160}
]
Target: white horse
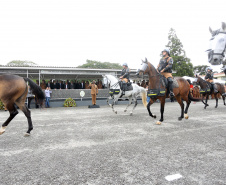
[
  {"x": 217, "y": 45},
  {"x": 132, "y": 95}
]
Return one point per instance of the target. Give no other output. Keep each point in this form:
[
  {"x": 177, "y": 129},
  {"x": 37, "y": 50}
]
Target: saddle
[
  {"x": 128, "y": 86},
  {"x": 162, "y": 91}
]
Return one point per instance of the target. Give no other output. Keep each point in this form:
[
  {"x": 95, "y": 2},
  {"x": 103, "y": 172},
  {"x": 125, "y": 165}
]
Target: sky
[{"x": 68, "y": 32}]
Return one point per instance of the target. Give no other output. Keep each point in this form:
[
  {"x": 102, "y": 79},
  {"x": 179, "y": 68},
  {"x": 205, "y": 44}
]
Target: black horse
[
  {"x": 13, "y": 91},
  {"x": 206, "y": 88}
]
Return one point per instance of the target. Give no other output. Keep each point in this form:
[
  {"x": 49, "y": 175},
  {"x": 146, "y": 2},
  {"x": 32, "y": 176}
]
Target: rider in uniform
[
  {"x": 124, "y": 77},
  {"x": 165, "y": 68},
  {"x": 209, "y": 78}
]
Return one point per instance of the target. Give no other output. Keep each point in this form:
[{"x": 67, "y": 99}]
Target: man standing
[
  {"x": 165, "y": 68},
  {"x": 94, "y": 92},
  {"x": 124, "y": 77}
]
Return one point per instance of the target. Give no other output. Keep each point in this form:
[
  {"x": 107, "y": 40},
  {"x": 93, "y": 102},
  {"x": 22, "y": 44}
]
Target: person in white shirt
[{"x": 47, "y": 92}]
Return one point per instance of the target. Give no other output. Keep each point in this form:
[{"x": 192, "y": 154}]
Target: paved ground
[{"x": 95, "y": 146}]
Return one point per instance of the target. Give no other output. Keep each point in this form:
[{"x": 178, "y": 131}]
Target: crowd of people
[{"x": 60, "y": 84}]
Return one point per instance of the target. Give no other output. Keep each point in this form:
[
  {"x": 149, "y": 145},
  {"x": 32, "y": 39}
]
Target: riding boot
[
  {"x": 123, "y": 88},
  {"x": 171, "y": 89}
]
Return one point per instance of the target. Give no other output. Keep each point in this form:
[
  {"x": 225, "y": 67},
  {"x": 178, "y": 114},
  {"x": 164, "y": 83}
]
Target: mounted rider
[
  {"x": 209, "y": 78},
  {"x": 165, "y": 68},
  {"x": 125, "y": 74}
]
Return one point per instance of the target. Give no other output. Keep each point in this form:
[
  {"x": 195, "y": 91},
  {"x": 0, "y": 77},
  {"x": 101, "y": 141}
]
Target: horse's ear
[
  {"x": 223, "y": 25},
  {"x": 146, "y": 60},
  {"x": 196, "y": 76},
  {"x": 211, "y": 31}
]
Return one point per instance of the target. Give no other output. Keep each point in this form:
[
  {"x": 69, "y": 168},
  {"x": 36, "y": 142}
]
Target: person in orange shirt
[{"x": 94, "y": 91}]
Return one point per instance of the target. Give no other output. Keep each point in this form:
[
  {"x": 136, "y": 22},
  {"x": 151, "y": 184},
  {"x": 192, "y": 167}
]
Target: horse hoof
[
  {"x": 186, "y": 116},
  {"x": 2, "y": 130},
  {"x": 125, "y": 110},
  {"x": 131, "y": 114},
  {"x": 180, "y": 118},
  {"x": 158, "y": 123},
  {"x": 215, "y": 106},
  {"x": 154, "y": 116},
  {"x": 27, "y": 135},
  {"x": 115, "y": 112}
]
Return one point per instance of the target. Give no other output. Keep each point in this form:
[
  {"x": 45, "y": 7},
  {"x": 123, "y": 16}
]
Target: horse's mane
[{"x": 153, "y": 67}]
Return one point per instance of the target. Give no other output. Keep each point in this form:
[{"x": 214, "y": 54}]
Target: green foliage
[
  {"x": 100, "y": 65},
  {"x": 2, "y": 107},
  {"x": 21, "y": 63},
  {"x": 201, "y": 69},
  {"x": 182, "y": 64},
  {"x": 69, "y": 103}
]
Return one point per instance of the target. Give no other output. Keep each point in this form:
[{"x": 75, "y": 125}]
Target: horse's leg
[
  {"x": 223, "y": 97},
  {"x": 207, "y": 97},
  {"x": 161, "y": 110},
  {"x": 148, "y": 108},
  {"x": 130, "y": 102},
  {"x": 135, "y": 100},
  {"x": 216, "y": 97},
  {"x": 187, "y": 106},
  {"x": 179, "y": 100},
  {"x": 27, "y": 113},
  {"x": 108, "y": 101},
  {"x": 113, "y": 103},
  {"x": 13, "y": 112}
]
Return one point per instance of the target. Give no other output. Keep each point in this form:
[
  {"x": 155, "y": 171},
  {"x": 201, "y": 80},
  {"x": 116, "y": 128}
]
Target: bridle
[{"x": 211, "y": 52}]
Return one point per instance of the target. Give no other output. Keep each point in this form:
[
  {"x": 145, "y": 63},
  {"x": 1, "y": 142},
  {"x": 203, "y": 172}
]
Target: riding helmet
[
  {"x": 167, "y": 51},
  {"x": 125, "y": 64}
]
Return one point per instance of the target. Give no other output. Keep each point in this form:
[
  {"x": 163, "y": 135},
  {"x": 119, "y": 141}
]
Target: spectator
[
  {"x": 82, "y": 85},
  {"x": 99, "y": 84},
  {"x": 30, "y": 96},
  {"x": 72, "y": 85},
  {"x": 87, "y": 85},
  {"x": 48, "y": 84},
  {"x": 61, "y": 85},
  {"x": 57, "y": 85},
  {"x": 67, "y": 86},
  {"x": 47, "y": 92},
  {"x": 54, "y": 85},
  {"x": 43, "y": 84}
]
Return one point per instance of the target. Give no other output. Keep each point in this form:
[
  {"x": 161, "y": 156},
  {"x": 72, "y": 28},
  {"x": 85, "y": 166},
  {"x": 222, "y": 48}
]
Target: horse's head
[
  {"x": 197, "y": 79},
  {"x": 217, "y": 45},
  {"x": 144, "y": 68}
]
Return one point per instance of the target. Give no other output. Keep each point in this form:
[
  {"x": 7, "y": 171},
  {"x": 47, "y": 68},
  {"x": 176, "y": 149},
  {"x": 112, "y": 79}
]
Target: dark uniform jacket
[
  {"x": 167, "y": 64},
  {"x": 125, "y": 73},
  {"x": 209, "y": 77}
]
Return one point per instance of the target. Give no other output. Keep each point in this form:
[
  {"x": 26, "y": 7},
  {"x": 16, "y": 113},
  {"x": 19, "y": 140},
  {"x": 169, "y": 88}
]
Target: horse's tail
[
  {"x": 36, "y": 90},
  {"x": 144, "y": 96}
]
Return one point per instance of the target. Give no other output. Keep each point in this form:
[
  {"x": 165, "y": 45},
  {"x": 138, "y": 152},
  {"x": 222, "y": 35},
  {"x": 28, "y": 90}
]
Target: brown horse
[
  {"x": 13, "y": 91},
  {"x": 180, "y": 92},
  {"x": 206, "y": 85}
]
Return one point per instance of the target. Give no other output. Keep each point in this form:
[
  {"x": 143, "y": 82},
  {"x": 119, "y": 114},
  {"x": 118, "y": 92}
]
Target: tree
[
  {"x": 21, "y": 63},
  {"x": 100, "y": 65},
  {"x": 201, "y": 69},
  {"x": 182, "y": 64}
]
